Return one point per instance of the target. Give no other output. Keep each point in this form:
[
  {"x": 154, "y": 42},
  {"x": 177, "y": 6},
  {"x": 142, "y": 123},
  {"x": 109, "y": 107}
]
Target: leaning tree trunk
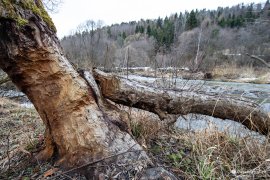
[{"x": 80, "y": 128}]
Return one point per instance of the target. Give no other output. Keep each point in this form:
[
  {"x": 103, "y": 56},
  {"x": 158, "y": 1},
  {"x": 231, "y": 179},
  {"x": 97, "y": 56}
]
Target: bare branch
[
  {"x": 52, "y": 5},
  {"x": 260, "y": 59}
]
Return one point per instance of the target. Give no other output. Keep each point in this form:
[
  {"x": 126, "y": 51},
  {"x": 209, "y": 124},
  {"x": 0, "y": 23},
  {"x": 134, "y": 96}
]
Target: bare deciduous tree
[{"x": 52, "y": 5}]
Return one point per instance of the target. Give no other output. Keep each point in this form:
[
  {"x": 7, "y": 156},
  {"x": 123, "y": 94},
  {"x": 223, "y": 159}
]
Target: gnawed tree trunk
[
  {"x": 80, "y": 127},
  {"x": 163, "y": 102}
]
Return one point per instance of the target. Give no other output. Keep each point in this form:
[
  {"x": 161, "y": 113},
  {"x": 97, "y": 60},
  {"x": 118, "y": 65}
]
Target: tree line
[{"x": 226, "y": 35}]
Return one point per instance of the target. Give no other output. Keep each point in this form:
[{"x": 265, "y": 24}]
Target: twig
[
  {"x": 255, "y": 108},
  {"x": 215, "y": 105},
  {"x": 99, "y": 160},
  {"x": 61, "y": 173},
  {"x": 260, "y": 59},
  {"x": 8, "y": 146}
]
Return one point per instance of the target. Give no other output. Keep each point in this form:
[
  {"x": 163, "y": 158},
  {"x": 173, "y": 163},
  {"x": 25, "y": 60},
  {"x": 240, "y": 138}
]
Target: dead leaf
[{"x": 50, "y": 172}]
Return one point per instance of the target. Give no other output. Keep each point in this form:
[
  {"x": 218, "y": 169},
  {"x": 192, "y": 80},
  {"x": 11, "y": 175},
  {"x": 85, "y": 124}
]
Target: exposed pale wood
[
  {"x": 81, "y": 126},
  {"x": 77, "y": 128},
  {"x": 163, "y": 102}
]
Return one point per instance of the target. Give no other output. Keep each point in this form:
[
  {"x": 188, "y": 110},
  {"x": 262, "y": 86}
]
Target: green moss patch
[
  {"x": 21, "y": 21},
  {"x": 39, "y": 10},
  {"x": 36, "y": 8}
]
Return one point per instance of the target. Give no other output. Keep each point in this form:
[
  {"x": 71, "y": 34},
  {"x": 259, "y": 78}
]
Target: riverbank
[
  {"x": 221, "y": 73},
  {"x": 188, "y": 154}
]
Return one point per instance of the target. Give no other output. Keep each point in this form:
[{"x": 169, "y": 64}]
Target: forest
[{"x": 199, "y": 40}]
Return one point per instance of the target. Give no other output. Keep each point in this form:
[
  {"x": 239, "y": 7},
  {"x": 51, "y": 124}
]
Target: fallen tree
[
  {"x": 163, "y": 102},
  {"x": 81, "y": 125}
]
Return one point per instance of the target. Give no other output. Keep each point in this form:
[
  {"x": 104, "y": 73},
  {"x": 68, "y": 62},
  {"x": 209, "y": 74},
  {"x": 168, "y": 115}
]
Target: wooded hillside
[{"x": 200, "y": 39}]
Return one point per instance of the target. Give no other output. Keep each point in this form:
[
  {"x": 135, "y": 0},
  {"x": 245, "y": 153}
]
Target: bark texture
[
  {"x": 81, "y": 126},
  {"x": 164, "y": 102},
  {"x": 78, "y": 130}
]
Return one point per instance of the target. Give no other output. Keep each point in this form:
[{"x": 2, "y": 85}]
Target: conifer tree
[{"x": 192, "y": 21}]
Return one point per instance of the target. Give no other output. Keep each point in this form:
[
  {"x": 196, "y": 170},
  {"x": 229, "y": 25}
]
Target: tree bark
[
  {"x": 163, "y": 102},
  {"x": 80, "y": 127}
]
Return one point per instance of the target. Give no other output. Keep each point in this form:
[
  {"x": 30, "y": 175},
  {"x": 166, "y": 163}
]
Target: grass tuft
[{"x": 208, "y": 155}]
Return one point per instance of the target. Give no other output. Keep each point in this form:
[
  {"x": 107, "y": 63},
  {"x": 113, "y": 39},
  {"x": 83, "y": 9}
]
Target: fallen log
[{"x": 163, "y": 102}]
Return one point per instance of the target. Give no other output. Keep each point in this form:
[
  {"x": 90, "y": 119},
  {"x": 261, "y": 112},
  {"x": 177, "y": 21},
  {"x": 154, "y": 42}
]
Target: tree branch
[{"x": 260, "y": 59}]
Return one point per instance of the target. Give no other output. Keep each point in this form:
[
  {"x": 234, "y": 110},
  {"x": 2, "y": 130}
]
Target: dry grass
[
  {"x": 246, "y": 73},
  {"x": 21, "y": 131},
  {"x": 201, "y": 155},
  {"x": 263, "y": 79},
  {"x": 144, "y": 125},
  {"x": 189, "y": 155},
  {"x": 231, "y": 71},
  {"x": 211, "y": 155},
  {"x": 21, "y": 126}
]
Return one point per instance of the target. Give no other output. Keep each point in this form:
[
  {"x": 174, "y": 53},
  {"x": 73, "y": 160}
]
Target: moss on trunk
[{"x": 8, "y": 10}]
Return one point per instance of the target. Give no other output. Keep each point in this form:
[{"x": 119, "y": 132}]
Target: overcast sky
[{"x": 73, "y": 12}]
